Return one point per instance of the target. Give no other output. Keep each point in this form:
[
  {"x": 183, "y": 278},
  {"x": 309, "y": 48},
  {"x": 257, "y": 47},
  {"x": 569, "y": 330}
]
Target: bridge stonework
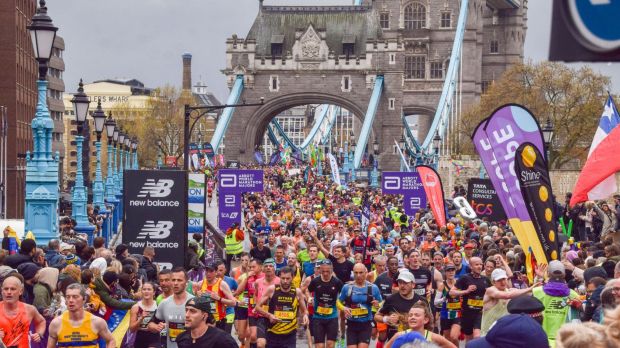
[{"x": 332, "y": 55}]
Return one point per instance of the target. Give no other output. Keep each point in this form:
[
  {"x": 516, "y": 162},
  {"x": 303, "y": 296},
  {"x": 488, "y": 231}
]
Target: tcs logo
[{"x": 481, "y": 208}]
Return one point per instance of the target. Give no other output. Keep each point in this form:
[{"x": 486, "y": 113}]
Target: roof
[
  {"x": 137, "y": 87},
  {"x": 342, "y": 24},
  {"x": 207, "y": 99}
]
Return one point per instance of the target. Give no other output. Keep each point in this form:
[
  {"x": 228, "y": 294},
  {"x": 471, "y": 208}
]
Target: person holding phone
[{"x": 140, "y": 315}]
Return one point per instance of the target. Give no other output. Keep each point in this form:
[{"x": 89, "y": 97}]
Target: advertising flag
[
  {"x": 597, "y": 179},
  {"x": 434, "y": 192},
  {"x": 334, "y": 168},
  {"x": 496, "y": 139},
  {"x": 535, "y": 185}
]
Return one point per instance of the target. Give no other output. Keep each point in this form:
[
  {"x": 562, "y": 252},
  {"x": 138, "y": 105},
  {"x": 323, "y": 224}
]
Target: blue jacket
[{"x": 55, "y": 259}]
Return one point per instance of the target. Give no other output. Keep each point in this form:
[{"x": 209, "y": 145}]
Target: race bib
[
  {"x": 174, "y": 330},
  {"x": 453, "y": 305},
  {"x": 284, "y": 315},
  {"x": 420, "y": 292},
  {"x": 474, "y": 303},
  {"x": 359, "y": 312},
  {"x": 324, "y": 310}
]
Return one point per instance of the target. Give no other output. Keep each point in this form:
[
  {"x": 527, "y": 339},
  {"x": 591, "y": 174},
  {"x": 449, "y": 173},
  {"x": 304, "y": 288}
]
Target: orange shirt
[{"x": 15, "y": 328}]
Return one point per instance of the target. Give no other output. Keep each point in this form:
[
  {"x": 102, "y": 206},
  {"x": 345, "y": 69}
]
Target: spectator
[
  {"x": 105, "y": 287},
  {"x": 147, "y": 264},
  {"x": 53, "y": 256},
  {"x": 26, "y": 251}
]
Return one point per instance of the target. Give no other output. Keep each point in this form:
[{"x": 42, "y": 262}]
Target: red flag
[{"x": 434, "y": 192}]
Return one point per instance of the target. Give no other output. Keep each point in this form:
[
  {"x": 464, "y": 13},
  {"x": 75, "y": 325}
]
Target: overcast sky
[{"x": 144, "y": 39}]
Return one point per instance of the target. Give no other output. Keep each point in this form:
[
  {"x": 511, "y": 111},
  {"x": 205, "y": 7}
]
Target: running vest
[
  {"x": 233, "y": 247},
  {"x": 428, "y": 335},
  {"x": 77, "y": 336},
  {"x": 284, "y": 305},
  {"x": 16, "y": 328},
  {"x": 451, "y": 308},
  {"x": 217, "y": 308}
]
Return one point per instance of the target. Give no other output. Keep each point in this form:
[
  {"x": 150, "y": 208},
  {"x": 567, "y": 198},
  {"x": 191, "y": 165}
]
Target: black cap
[
  {"x": 526, "y": 304},
  {"x": 202, "y": 303}
]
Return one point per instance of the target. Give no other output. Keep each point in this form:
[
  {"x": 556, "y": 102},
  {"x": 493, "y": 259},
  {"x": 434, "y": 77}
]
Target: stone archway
[{"x": 425, "y": 119}]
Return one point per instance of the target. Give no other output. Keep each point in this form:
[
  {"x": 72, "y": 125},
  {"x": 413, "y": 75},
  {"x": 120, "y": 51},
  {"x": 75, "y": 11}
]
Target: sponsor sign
[
  {"x": 232, "y": 183},
  {"x": 155, "y": 213},
  {"x": 484, "y": 200},
  {"x": 232, "y": 164},
  {"x": 583, "y": 30},
  {"x": 407, "y": 184},
  {"x": 434, "y": 191},
  {"x": 535, "y": 185},
  {"x": 207, "y": 148}
]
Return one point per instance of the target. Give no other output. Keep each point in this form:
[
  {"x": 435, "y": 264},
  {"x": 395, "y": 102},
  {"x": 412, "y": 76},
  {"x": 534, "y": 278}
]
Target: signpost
[{"x": 156, "y": 214}]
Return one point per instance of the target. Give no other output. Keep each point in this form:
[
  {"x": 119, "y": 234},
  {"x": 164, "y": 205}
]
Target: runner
[
  {"x": 356, "y": 300},
  {"x": 199, "y": 333},
  {"x": 232, "y": 285},
  {"x": 396, "y": 306},
  {"x": 217, "y": 289},
  {"x": 379, "y": 263},
  {"x": 140, "y": 315},
  {"x": 284, "y": 305},
  {"x": 164, "y": 284},
  {"x": 363, "y": 245},
  {"x": 495, "y": 304},
  {"x": 77, "y": 327},
  {"x": 16, "y": 316},
  {"x": 420, "y": 320},
  {"x": 248, "y": 285},
  {"x": 343, "y": 268},
  {"x": 170, "y": 313},
  {"x": 450, "y": 313},
  {"x": 325, "y": 289},
  {"x": 260, "y": 286},
  {"x": 472, "y": 288},
  {"x": 423, "y": 276},
  {"x": 240, "y": 274}
]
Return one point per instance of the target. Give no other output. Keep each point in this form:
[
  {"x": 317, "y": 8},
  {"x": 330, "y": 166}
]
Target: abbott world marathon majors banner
[
  {"x": 232, "y": 183},
  {"x": 156, "y": 214}
]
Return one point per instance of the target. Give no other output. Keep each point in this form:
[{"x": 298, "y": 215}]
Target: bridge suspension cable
[
  {"x": 368, "y": 120},
  {"x": 224, "y": 121}
]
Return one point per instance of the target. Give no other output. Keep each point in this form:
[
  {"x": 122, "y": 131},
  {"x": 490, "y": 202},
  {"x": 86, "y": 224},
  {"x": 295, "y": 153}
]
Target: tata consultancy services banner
[
  {"x": 155, "y": 214},
  {"x": 484, "y": 200}
]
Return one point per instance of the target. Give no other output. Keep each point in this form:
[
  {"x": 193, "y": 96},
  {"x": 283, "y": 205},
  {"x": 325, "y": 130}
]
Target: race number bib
[
  {"x": 324, "y": 310},
  {"x": 474, "y": 303},
  {"x": 359, "y": 312},
  {"x": 174, "y": 330}
]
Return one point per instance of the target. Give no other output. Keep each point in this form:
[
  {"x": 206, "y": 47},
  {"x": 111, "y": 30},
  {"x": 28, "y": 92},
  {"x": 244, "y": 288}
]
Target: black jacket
[{"x": 17, "y": 259}]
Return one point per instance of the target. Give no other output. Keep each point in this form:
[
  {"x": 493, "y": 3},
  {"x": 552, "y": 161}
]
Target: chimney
[{"x": 187, "y": 71}]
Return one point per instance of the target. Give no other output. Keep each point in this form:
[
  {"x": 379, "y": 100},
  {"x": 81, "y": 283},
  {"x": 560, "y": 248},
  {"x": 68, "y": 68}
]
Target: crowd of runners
[{"x": 315, "y": 269}]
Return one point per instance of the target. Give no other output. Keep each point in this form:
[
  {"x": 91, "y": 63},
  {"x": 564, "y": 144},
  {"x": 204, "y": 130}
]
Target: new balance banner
[
  {"x": 407, "y": 184},
  {"x": 496, "y": 139},
  {"x": 535, "y": 184},
  {"x": 434, "y": 191},
  {"x": 484, "y": 200},
  {"x": 232, "y": 183},
  {"x": 196, "y": 199},
  {"x": 155, "y": 214}
]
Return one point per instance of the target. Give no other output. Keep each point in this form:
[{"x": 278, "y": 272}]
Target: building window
[
  {"x": 384, "y": 20},
  {"x": 436, "y": 70},
  {"x": 415, "y": 67},
  {"x": 391, "y": 103},
  {"x": 274, "y": 83},
  {"x": 392, "y": 58},
  {"x": 494, "y": 46},
  {"x": 446, "y": 20},
  {"x": 348, "y": 49},
  {"x": 415, "y": 16},
  {"x": 346, "y": 84},
  {"x": 276, "y": 50}
]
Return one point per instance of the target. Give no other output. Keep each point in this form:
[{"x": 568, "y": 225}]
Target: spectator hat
[{"x": 508, "y": 332}]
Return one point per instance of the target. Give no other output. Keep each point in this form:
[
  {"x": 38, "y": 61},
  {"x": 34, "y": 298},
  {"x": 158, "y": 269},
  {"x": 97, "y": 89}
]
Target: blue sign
[
  {"x": 407, "y": 184},
  {"x": 596, "y": 23}
]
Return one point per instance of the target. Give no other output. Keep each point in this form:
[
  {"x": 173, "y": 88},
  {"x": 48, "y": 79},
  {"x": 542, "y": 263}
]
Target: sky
[{"x": 144, "y": 39}]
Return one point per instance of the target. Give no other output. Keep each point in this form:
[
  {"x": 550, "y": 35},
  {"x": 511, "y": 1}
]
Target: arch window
[{"x": 415, "y": 16}]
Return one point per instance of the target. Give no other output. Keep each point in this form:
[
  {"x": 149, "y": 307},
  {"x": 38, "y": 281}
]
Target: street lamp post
[
  {"x": 374, "y": 176},
  {"x": 436, "y": 145},
  {"x": 203, "y": 110},
  {"x": 159, "y": 151},
  {"x": 121, "y": 163},
  {"x": 352, "y": 162},
  {"x": 128, "y": 164},
  {"x": 110, "y": 192},
  {"x": 345, "y": 163},
  {"x": 41, "y": 198},
  {"x": 79, "y": 200},
  {"x": 98, "y": 189},
  {"x": 134, "y": 147},
  {"x": 548, "y": 131}
]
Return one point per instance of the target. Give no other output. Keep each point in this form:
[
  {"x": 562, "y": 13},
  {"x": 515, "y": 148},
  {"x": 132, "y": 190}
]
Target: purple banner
[
  {"x": 240, "y": 180},
  {"x": 229, "y": 209},
  {"x": 407, "y": 184}
]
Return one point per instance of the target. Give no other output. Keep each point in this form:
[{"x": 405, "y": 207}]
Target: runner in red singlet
[{"x": 16, "y": 316}]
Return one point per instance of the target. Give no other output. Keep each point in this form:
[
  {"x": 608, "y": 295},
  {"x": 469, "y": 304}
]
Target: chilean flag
[{"x": 597, "y": 179}]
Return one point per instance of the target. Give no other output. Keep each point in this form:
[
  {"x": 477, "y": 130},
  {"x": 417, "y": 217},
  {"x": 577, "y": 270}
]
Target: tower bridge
[{"x": 392, "y": 63}]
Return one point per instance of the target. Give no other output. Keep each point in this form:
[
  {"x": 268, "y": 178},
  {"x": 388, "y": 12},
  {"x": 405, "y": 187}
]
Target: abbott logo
[
  {"x": 415, "y": 202},
  {"x": 228, "y": 180},
  {"x": 155, "y": 230},
  {"x": 229, "y": 200},
  {"x": 156, "y": 189},
  {"x": 391, "y": 183}
]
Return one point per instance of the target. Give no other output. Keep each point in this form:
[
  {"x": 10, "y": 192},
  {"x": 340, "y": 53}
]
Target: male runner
[
  {"x": 171, "y": 311},
  {"x": 284, "y": 304},
  {"x": 247, "y": 289},
  {"x": 356, "y": 300},
  {"x": 395, "y": 309},
  {"x": 217, "y": 289},
  {"x": 325, "y": 288},
  {"x": 471, "y": 287},
  {"x": 16, "y": 316},
  {"x": 423, "y": 277},
  {"x": 77, "y": 327},
  {"x": 240, "y": 274},
  {"x": 232, "y": 285},
  {"x": 260, "y": 286},
  {"x": 198, "y": 333}
]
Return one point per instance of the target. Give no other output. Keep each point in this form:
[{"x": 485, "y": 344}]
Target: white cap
[
  {"x": 438, "y": 239},
  {"x": 498, "y": 274},
  {"x": 406, "y": 276},
  {"x": 556, "y": 267}
]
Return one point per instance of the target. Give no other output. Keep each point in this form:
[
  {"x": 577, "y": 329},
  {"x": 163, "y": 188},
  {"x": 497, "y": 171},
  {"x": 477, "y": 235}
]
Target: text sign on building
[
  {"x": 231, "y": 184},
  {"x": 155, "y": 214},
  {"x": 407, "y": 184}
]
